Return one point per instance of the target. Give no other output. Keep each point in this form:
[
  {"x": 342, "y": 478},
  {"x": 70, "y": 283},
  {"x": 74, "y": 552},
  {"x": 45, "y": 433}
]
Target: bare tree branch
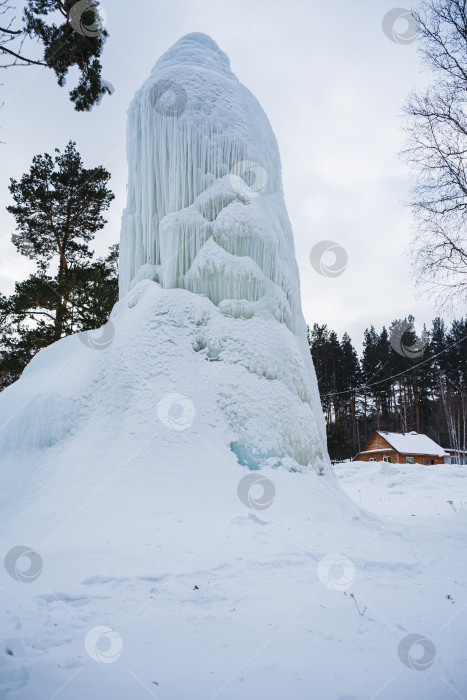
[{"x": 436, "y": 126}]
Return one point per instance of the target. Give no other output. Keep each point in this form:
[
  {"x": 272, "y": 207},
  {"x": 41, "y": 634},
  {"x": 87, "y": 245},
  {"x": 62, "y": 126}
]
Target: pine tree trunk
[
  {"x": 365, "y": 434},
  {"x": 417, "y": 412},
  {"x": 61, "y": 308}
]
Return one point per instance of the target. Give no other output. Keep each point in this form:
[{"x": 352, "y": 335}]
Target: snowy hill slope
[
  {"x": 235, "y": 387},
  {"x": 157, "y": 579},
  {"x": 160, "y": 572}
]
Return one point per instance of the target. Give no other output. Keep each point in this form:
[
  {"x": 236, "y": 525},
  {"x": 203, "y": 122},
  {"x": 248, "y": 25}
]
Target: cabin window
[
  {"x": 372, "y": 459},
  {"x": 410, "y": 460},
  {"x": 386, "y": 459}
]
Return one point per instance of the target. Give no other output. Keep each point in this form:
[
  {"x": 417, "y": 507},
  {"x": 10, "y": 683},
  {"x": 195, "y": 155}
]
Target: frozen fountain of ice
[{"x": 206, "y": 213}]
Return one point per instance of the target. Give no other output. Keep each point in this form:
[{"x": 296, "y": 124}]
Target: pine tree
[
  {"x": 58, "y": 210},
  {"x": 27, "y": 317},
  {"x": 427, "y": 392},
  {"x": 333, "y": 352},
  {"x": 78, "y": 41},
  {"x": 350, "y": 382},
  {"x": 456, "y": 384},
  {"x": 371, "y": 367},
  {"x": 318, "y": 339}
]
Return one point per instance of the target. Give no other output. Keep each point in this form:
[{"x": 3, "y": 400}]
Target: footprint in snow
[
  {"x": 255, "y": 519},
  {"x": 12, "y": 676}
]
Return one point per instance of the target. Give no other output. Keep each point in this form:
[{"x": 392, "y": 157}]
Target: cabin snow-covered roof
[
  {"x": 377, "y": 449},
  {"x": 413, "y": 443}
]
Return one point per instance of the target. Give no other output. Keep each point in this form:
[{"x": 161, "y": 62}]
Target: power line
[{"x": 387, "y": 379}]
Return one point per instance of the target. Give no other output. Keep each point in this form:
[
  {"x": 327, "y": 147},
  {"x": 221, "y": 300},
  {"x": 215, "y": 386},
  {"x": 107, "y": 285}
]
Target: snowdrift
[{"x": 171, "y": 359}]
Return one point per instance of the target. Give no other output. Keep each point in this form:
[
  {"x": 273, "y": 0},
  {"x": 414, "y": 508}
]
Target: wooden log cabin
[{"x": 401, "y": 448}]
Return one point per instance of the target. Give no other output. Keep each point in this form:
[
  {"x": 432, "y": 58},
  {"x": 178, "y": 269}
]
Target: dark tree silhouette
[{"x": 77, "y": 41}]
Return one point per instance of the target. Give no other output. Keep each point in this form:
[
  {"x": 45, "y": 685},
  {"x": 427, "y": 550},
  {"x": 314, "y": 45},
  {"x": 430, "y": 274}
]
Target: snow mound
[{"x": 229, "y": 371}]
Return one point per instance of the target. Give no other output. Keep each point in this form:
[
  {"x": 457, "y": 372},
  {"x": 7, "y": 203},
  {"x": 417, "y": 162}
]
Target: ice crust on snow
[{"x": 206, "y": 214}]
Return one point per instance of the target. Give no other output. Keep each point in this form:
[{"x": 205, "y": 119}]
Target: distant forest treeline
[{"x": 382, "y": 389}]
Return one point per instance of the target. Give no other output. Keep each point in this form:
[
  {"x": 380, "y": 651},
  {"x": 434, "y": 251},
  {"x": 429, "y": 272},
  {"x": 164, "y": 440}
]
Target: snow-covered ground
[
  {"x": 401, "y": 492},
  {"x": 156, "y": 579},
  {"x": 157, "y": 570},
  {"x": 143, "y": 558}
]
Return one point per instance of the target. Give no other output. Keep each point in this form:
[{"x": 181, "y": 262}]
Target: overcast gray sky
[{"x": 333, "y": 86}]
